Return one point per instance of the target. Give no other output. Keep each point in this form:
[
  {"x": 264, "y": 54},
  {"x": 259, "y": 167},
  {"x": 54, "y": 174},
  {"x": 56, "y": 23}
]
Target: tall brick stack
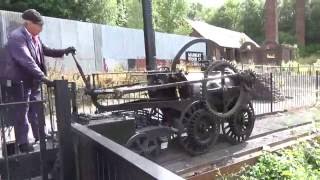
[
  {"x": 271, "y": 21},
  {"x": 300, "y": 21}
]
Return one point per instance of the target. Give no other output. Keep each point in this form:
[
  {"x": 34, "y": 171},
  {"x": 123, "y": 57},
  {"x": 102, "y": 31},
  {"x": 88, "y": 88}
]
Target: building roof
[{"x": 223, "y": 37}]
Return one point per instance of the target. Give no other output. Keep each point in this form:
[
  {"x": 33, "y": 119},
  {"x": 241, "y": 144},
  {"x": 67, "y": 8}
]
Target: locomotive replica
[{"x": 193, "y": 108}]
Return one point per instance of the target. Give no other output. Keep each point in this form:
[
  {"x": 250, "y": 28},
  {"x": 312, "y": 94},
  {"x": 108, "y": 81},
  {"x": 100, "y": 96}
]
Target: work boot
[{"x": 26, "y": 147}]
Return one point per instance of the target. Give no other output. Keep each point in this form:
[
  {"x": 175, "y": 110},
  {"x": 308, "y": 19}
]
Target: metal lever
[{"x": 86, "y": 82}]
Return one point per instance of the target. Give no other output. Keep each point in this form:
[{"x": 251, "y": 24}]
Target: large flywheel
[{"x": 224, "y": 90}]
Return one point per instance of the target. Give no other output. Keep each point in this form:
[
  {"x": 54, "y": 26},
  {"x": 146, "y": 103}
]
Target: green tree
[
  {"x": 98, "y": 11},
  {"x": 195, "y": 11},
  {"x": 287, "y": 22},
  {"x": 170, "y": 15},
  {"x": 227, "y": 16},
  {"x": 252, "y": 15},
  {"x": 134, "y": 12},
  {"x": 122, "y": 13},
  {"x": 313, "y": 22}
]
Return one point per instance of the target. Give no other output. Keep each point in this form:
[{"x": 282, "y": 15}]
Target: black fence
[
  {"x": 277, "y": 89},
  {"x": 16, "y": 159},
  {"x": 71, "y": 150}
]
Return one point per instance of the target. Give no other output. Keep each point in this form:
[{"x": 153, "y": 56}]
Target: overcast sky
[{"x": 209, "y": 3}]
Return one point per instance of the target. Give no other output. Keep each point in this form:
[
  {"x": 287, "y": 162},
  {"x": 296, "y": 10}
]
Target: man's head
[{"x": 33, "y": 21}]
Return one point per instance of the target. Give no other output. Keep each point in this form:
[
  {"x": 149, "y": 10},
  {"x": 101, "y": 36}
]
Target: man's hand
[
  {"x": 47, "y": 81},
  {"x": 71, "y": 50}
]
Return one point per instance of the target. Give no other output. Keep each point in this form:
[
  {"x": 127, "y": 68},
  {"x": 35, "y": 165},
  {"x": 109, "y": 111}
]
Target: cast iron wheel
[
  {"x": 225, "y": 96},
  {"x": 238, "y": 128},
  {"x": 143, "y": 145},
  {"x": 202, "y": 132}
]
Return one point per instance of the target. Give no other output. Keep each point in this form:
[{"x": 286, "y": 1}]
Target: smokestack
[
  {"x": 149, "y": 37},
  {"x": 271, "y": 21},
  {"x": 300, "y": 22}
]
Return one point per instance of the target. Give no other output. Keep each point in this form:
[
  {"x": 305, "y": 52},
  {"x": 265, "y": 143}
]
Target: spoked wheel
[
  {"x": 202, "y": 130},
  {"x": 238, "y": 128},
  {"x": 143, "y": 145},
  {"x": 223, "y": 91}
]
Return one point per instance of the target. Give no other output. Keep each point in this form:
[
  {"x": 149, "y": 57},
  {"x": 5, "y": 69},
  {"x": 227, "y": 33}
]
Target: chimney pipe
[{"x": 149, "y": 35}]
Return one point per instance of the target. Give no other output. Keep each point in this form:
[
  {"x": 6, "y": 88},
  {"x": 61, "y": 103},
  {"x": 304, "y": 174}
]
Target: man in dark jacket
[{"x": 26, "y": 68}]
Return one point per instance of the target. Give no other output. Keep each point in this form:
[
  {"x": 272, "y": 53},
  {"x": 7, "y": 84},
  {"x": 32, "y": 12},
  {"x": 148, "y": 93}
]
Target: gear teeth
[{"x": 191, "y": 143}]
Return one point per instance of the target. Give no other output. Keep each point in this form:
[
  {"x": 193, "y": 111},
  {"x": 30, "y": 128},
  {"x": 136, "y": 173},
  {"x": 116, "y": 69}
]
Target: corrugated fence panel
[
  {"x": 168, "y": 45},
  {"x": 96, "y": 42},
  {"x": 122, "y": 43}
]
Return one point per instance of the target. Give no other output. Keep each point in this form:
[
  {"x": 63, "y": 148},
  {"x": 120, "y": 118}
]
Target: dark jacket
[{"x": 18, "y": 61}]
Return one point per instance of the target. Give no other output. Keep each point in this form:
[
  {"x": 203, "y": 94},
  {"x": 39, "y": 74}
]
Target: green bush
[
  {"x": 308, "y": 60},
  {"x": 301, "y": 162},
  {"x": 309, "y": 50}
]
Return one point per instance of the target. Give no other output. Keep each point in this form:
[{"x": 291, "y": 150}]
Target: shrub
[{"x": 299, "y": 162}]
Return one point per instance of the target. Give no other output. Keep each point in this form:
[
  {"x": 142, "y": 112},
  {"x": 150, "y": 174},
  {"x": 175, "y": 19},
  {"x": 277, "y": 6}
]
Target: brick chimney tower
[
  {"x": 300, "y": 21},
  {"x": 271, "y": 21}
]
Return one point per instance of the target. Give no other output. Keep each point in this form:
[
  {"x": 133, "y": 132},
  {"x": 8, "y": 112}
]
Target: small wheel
[
  {"x": 143, "y": 145},
  {"x": 238, "y": 128},
  {"x": 202, "y": 132}
]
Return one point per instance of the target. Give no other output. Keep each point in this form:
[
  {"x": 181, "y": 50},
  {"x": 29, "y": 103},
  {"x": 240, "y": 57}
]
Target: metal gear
[
  {"x": 202, "y": 130},
  {"x": 248, "y": 77},
  {"x": 223, "y": 97},
  {"x": 238, "y": 128},
  {"x": 144, "y": 145}
]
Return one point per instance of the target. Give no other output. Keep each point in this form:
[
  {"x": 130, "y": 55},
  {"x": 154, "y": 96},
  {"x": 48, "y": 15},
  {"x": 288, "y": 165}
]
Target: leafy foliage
[
  {"x": 312, "y": 22},
  {"x": 169, "y": 16},
  {"x": 300, "y": 162},
  {"x": 134, "y": 14},
  {"x": 228, "y": 16},
  {"x": 252, "y": 19},
  {"x": 287, "y": 22}
]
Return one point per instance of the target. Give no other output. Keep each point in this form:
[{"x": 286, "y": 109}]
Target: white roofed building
[{"x": 228, "y": 42}]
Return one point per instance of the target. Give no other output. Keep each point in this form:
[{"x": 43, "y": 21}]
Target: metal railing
[
  {"x": 277, "y": 89},
  {"x": 14, "y": 163},
  {"x": 98, "y": 157},
  {"x": 284, "y": 90}
]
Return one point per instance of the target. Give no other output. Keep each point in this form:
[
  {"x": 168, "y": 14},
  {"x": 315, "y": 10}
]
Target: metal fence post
[
  {"x": 74, "y": 98},
  {"x": 317, "y": 85},
  {"x": 3, "y": 137},
  {"x": 63, "y": 110},
  {"x": 271, "y": 92},
  {"x": 43, "y": 148}
]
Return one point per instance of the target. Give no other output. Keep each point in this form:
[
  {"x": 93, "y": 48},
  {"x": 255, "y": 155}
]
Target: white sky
[{"x": 209, "y": 3}]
